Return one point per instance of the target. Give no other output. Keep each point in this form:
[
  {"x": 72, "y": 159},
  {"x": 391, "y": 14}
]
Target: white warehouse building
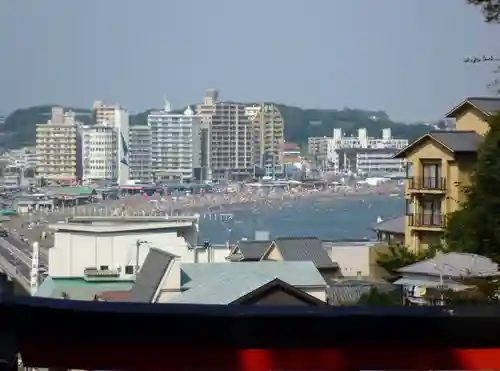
[{"x": 118, "y": 249}]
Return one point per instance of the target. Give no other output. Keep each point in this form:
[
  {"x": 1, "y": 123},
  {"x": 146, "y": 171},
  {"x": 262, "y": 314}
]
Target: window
[
  {"x": 129, "y": 269},
  {"x": 432, "y": 175},
  {"x": 409, "y": 207},
  {"x": 409, "y": 170},
  {"x": 104, "y": 267}
]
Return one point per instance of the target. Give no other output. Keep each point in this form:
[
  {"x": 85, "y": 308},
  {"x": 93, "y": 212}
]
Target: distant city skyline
[{"x": 403, "y": 57}]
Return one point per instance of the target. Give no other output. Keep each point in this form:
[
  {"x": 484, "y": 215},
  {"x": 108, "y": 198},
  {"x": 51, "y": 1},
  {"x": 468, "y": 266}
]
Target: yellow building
[{"x": 437, "y": 165}]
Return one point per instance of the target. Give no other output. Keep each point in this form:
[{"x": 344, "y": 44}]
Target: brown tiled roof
[{"x": 113, "y": 295}]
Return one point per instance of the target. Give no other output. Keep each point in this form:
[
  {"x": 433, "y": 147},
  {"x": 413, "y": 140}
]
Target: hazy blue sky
[{"x": 401, "y": 56}]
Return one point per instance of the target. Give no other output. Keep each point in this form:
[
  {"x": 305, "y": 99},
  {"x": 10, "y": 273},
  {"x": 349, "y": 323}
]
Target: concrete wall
[
  {"x": 351, "y": 259},
  {"x": 75, "y": 251},
  {"x": 472, "y": 120}
]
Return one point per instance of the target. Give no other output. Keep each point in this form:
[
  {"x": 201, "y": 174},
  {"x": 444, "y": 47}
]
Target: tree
[
  {"x": 474, "y": 228},
  {"x": 490, "y": 9},
  {"x": 375, "y": 298}
]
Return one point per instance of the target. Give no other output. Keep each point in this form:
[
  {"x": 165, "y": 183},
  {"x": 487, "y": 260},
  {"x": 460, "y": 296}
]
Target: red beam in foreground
[{"x": 163, "y": 357}]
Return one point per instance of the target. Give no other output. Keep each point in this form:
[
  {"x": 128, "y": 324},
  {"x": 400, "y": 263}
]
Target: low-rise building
[
  {"x": 164, "y": 279},
  {"x": 116, "y": 247}
]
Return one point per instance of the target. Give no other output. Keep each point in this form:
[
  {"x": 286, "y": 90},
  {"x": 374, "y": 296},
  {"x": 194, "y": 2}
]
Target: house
[
  {"x": 163, "y": 278},
  {"x": 445, "y": 271},
  {"x": 357, "y": 259},
  {"x": 248, "y": 290},
  {"x": 391, "y": 231},
  {"x": 437, "y": 165},
  {"x": 249, "y": 250},
  {"x": 299, "y": 249},
  {"x": 473, "y": 113}
]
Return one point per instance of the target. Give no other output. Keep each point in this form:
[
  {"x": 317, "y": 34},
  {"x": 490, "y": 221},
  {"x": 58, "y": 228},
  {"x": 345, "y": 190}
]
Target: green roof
[
  {"x": 75, "y": 190},
  {"x": 79, "y": 288}
]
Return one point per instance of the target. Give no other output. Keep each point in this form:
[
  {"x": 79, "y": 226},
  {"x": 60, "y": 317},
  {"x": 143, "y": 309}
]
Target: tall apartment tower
[
  {"x": 58, "y": 148},
  {"x": 106, "y": 145},
  {"x": 230, "y": 132},
  {"x": 269, "y": 138},
  {"x": 140, "y": 154},
  {"x": 175, "y": 145}
]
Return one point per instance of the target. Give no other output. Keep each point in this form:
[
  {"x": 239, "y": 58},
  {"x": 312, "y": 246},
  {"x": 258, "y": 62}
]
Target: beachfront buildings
[
  {"x": 437, "y": 165},
  {"x": 230, "y": 137},
  {"x": 363, "y": 154},
  {"x": 141, "y": 170},
  {"x": 372, "y": 161},
  {"x": 175, "y": 144},
  {"x": 58, "y": 148},
  {"x": 105, "y": 146},
  {"x": 269, "y": 137}
]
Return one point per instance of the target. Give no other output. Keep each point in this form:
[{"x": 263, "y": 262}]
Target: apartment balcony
[
  {"x": 427, "y": 185},
  {"x": 428, "y": 221}
]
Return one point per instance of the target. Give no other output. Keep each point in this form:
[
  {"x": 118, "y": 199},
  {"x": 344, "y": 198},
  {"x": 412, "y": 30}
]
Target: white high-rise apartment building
[
  {"x": 58, "y": 148},
  {"x": 141, "y": 170},
  {"x": 175, "y": 145},
  {"x": 230, "y": 137},
  {"x": 106, "y": 146}
]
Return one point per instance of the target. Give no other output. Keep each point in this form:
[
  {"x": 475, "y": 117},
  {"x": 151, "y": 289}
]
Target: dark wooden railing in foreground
[{"x": 124, "y": 336}]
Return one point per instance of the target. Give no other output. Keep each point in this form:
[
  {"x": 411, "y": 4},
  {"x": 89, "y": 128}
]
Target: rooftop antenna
[{"x": 35, "y": 265}]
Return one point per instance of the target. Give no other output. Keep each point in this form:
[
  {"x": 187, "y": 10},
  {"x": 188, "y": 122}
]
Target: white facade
[
  {"x": 338, "y": 141},
  {"x": 378, "y": 161},
  {"x": 140, "y": 154},
  {"x": 354, "y": 258},
  {"x": 175, "y": 144},
  {"x": 115, "y": 247},
  {"x": 105, "y": 149},
  {"x": 99, "y": 152}
]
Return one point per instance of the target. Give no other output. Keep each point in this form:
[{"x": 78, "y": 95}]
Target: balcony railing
[
  {"x": 429, "y": 183},
  {"x": 431, "y": 220}
]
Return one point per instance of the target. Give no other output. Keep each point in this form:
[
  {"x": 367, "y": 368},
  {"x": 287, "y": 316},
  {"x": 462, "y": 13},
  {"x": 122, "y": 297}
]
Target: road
[{"x": 18, "y": 254}]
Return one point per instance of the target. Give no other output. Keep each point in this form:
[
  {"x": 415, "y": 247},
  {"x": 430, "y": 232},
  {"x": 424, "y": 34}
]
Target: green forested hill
[{"x": 19, "y": 128}]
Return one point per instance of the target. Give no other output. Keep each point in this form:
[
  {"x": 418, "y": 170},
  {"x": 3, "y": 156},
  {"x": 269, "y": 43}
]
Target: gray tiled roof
[
  {"x": 149, "y": 277},
  {"x": 223, "y": 289},
  {"x": 298, "y": 274},
  {"x": 394, "y": 225},
  {"x": 454, "y": 265},
  {"x": 488, "y": 105},
  {"x": 253, "y": 250},
  {"x": 304, "y": 249},
  {"x": 350, "y": 292},
  {"x": 459, "y": 141}
]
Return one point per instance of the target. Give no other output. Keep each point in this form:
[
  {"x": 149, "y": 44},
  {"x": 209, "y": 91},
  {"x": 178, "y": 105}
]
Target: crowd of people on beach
[{"x": 34, "y": 224}]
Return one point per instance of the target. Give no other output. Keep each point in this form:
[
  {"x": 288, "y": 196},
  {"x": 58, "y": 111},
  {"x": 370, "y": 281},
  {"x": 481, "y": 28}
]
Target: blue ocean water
[{"x": 328, "y": 219}]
